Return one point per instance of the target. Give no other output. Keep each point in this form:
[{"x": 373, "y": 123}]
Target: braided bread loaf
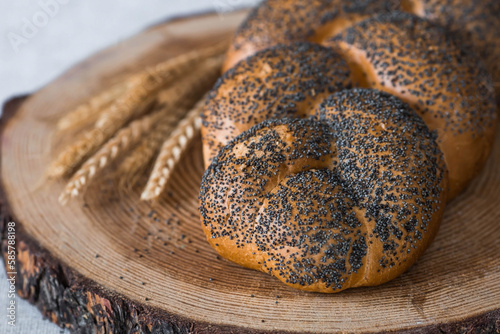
[{"x": 327, "y": 186}]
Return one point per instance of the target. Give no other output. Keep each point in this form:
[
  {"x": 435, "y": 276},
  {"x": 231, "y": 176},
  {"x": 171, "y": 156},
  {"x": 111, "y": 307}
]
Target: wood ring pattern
[{"x": 111, "y": 264}]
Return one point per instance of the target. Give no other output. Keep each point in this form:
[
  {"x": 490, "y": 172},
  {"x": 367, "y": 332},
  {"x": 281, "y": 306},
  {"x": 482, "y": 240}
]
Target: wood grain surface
[{"x": 109, "y": 263}]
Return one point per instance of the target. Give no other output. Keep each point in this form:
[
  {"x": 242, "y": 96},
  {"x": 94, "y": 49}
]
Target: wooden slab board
[{"x": 109, "y": 263}]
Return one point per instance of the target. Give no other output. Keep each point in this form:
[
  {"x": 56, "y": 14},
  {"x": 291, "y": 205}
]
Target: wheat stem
[
  {"x": 136, "y": 102},
  {"x": 160, "y": 75},
  {"x": 130, "y": 105},
  {"x": 177, "y": 67},
  {"x": 171, "y": 152},
  {"x": 193, "y": 86},
  {"x": 92, "y": 108},
  {"x": 141, "y": 93},
  {"x": 140, "y": 157},
  {"x": 152, "y": 80},
  {"x": 178, "y": 101},
  {"x": 89, "y": 142},
  {"x": 125, "y": 138}
]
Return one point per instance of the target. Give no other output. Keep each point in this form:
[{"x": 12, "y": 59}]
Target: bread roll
[
  {"x": 329, "y": 166},
  {"x": 427, "y": 67},
  {"x": 273, "y": 22},
  {"x": 284, "y": 81},
  {"x": 349, "y": 197}
]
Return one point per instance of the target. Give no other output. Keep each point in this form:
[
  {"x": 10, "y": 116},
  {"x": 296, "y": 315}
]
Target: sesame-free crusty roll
[
  {"x": 475, "y": 22},
  {"x": 350, "y": 197},
  {"x": 283, "y": 81}
]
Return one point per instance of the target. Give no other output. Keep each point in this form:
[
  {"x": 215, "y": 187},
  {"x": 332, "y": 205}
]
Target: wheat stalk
[
  {"x": 140, "y": 157},
  {"x": 138, "y": 96},
  {"x": 151, "y": 81},
  {"x": 131, "y": 104},
  {"x": 193, "y": 86},
  {"x": 169, "y": 113},
  {"x": 134, "y": 103},
  {"x": 92, "y": 139},
  {"x": 125, "y": 138},
  {"x": 171, "y": 152},
  {"x": 92, "y": 108},
  {"x": 163, "y": 73},
  {"x": 178, "y": 100},
  {"x": 178, "y": 66}
]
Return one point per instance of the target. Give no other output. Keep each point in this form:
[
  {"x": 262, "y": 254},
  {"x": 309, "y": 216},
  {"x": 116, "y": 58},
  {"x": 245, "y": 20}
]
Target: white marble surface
[{"x": 41, "y": 39}]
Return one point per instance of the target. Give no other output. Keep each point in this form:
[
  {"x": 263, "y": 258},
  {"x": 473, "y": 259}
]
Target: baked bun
[
  {"x": 283, "y": 81},
  {"x": 429, "y": 69},
  {"x": 476, "y": 22},
  {"x": 331, "y": 191},
  {"x": 349, "y": 197},
  {"x": 421, "y": 63},
  {"x": 285, "y": 21}
]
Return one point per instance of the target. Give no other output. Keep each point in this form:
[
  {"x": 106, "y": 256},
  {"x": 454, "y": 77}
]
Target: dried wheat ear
[{"x": 149, "y": 114}]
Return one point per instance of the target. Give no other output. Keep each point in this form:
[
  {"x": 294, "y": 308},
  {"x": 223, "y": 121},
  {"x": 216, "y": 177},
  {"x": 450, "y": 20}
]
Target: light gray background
[{"x": 73, "y": 30}]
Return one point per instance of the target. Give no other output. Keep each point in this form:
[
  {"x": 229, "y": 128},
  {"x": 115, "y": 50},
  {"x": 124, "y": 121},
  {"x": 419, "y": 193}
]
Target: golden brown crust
[
  {"x": 353, "y": 194},
  {"x": 283, "y": 81},
  {"x": 284, "y": 21},
  {"x": 276, "y": 22},
  {"x": 421, "y": 62},
  {"x": 428, "y": 68},
  {"x": 476, "y": 22},
  {"x": 320, "y": 206}
]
